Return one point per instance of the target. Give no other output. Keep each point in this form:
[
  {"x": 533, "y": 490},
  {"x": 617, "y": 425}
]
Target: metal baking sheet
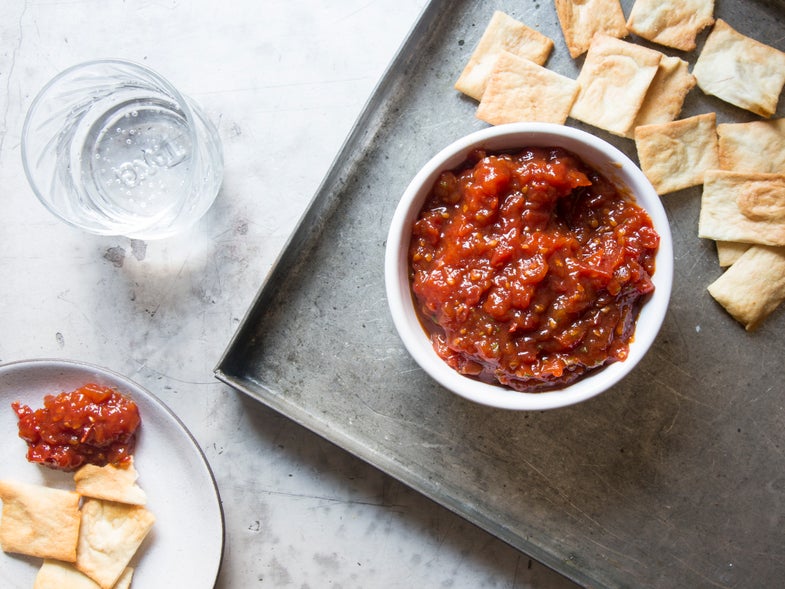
[{"x": 674, "y": 478}]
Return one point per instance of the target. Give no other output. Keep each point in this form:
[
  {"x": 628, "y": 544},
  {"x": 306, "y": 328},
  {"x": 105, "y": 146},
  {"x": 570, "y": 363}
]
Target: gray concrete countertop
[{"x": 283, "y": 81}]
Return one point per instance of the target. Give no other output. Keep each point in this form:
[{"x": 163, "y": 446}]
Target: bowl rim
[{"x": 597, "y": 153}]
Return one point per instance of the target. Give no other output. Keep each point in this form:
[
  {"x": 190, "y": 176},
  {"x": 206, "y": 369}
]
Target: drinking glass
[{"x": 113, "y": 148}]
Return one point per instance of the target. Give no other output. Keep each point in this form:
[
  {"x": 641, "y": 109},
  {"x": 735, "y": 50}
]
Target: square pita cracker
[
  {"x": 666, "y": 95},
  {"x": 675, "y": 155},
  {"x": 757, "y": 146},
  {"x": 673, "y": 23},
  {"x": 730, "y": 251},
  {"x": 39, "y": 521},
  {"x": 110, "y": 535},
  {"x": 503, "y": 33},
  {"x": 54, "y": 574},
  {"x": 520, "y": 90},
  {"x": 113, "y": 483},
  {"x": 580, "y": 20},
  {"x": 740, "y": 70},
  {"x": 613, "y": 83},
  {"x": 753, "y": 287},
  {"x": 743, "y": 206}
]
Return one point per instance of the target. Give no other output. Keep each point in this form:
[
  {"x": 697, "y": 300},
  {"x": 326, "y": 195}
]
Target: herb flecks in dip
[{"x": 530, "y": 269}]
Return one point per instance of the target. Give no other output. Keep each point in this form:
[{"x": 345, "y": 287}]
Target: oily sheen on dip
[{"x": 529, "y": 269}]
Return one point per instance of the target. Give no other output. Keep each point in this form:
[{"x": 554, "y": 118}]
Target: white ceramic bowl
[{"x": 597, "y": 153}]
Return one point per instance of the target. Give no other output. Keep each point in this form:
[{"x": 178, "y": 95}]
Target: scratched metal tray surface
[{"x": 673, "y": 478}]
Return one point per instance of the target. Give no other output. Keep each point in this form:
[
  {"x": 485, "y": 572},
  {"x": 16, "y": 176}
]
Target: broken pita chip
[
  {"x": 54, "y": 574},
  {"x": 743, "y": 206},
  {"x": 740, "y": 70},
  {"x": 730, "y": 251},
  {"x": 757, "y": 146},
  {"x": 503, "y": 33},
  {"x": 675, "y": 155},
  {"x": 673, "y": 23},
  {"x": 39, "y": 521},
  {"x": 753, "y": 287},
  {"x": 667, "y": 92},
  {"x": 613, "y": 83},
  {"x": 110, "y": 482},
  {"x": 580, "y": 20},
  {"x": 110, "y": 535},
  {"x": 519, "y": 90}
]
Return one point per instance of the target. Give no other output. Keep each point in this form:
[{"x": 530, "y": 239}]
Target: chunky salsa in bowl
[{"x": 529, "y": 266}]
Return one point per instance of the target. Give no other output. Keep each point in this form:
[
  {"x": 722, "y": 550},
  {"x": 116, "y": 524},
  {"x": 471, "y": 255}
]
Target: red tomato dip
[
  {"x": 530, "y": 269},
  {"x": 91, "y": 425}
]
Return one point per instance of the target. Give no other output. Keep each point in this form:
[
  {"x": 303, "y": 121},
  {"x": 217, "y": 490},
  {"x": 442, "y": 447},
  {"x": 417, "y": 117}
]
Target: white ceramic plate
[{"x": 185, "y": 545}]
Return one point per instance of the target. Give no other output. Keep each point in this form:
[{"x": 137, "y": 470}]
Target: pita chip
[
  {"x": 666, "y": 95},
  {"x": 673, "y": 23},
  {"x": 503, "y": 33},
  {"x": 39, "y": 521},
  {"x": 54, "y": 574},
  {"x": 580, "y": 20},
  {"x": 675, "y": 155},
  {"x": 110, "y": 482},
  {"x": 740, "y": 70},
  {"x": 753, "y": 287},
  {"x": 520, "y": 90},
  {"x": 757, "y": 146},
  {"x": 613, "y": 81},
  {"x": 730, "y": 251},
  {"x": 744, "y": 207},
  {"x": 110, "y": 535}
]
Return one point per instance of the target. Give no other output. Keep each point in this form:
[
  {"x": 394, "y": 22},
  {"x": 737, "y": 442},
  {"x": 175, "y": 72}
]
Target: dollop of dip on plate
[{"x": 93, "y": 424}]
